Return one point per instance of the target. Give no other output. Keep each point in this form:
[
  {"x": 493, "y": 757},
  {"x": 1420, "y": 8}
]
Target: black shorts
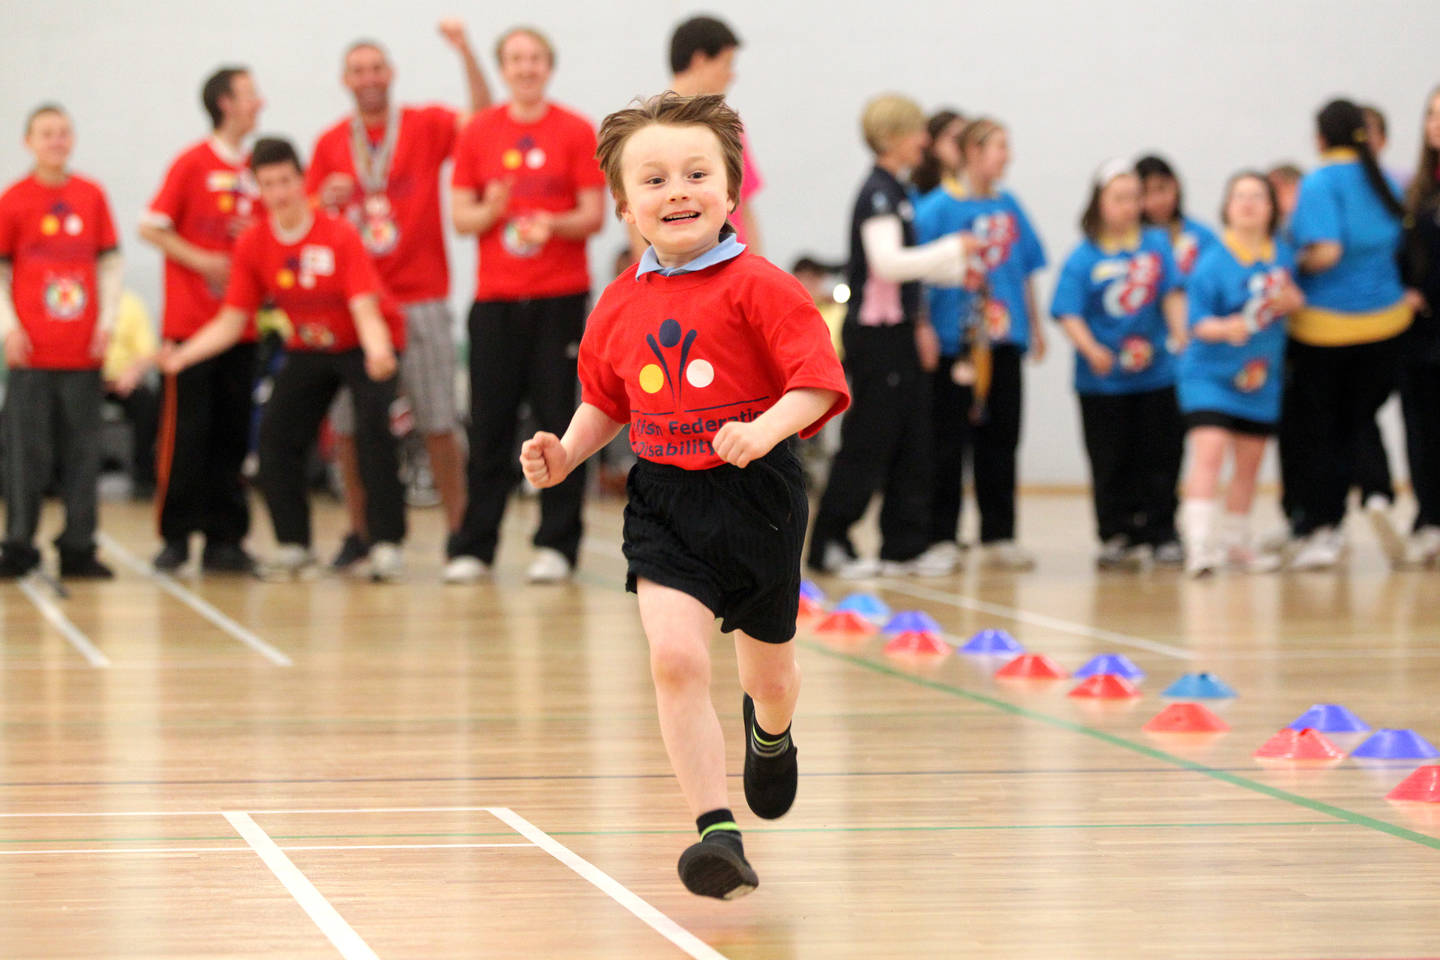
[
  {"x": 728, "y": 537},
  {"x": 1227, "y": 421}
]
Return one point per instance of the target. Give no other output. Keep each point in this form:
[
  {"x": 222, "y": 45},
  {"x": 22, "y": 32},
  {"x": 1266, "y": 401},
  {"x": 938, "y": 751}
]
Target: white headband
[{"x": 1111, "y": 169}]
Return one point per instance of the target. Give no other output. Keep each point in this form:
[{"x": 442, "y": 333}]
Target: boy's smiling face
[{"x": 675, "y": 189}]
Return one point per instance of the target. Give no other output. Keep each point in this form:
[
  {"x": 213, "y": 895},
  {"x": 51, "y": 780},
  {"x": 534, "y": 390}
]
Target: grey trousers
[{"x": 51, "y": 420}]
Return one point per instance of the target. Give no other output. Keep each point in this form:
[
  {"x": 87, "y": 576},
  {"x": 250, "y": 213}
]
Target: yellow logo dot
[
  {"x": 652, "y": 378},
  {"x": 50, "y": 225},
  {"x": 512, "y": 159},
  {"x": 286, "y": 279},
  {"x": 226, "y": 202}
]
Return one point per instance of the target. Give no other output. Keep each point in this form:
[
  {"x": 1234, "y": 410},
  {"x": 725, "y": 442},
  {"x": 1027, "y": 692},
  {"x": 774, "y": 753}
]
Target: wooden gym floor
[{"x": 223, "y": 768}]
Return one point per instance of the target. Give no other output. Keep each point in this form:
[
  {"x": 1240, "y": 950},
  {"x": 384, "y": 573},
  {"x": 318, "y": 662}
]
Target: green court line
[
  {"x": 1245, "y": 783},
  {"x": 947, "y": 828}
]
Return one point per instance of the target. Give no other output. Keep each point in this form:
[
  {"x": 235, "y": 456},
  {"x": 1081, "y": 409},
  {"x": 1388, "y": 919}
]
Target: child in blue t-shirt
[
  {"x": 1230, "y": 374},
  {"x": 1163, "y": 205},
  {"x": 995, "y": 299},
  {"x": 1119, "y": 301}
]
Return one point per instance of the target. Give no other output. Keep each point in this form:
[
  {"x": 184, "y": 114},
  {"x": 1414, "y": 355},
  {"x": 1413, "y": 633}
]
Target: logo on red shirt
[
  {"x": 65, "y": 297},
  {"x": 654, "y": 377}
]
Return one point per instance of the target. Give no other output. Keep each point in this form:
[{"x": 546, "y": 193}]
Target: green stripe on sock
[{"x": 727, "y": 825}]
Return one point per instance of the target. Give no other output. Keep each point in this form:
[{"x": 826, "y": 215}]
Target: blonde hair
[
  {"x": 888, "y": 116},
  {"x": 531, "y": 32},
  {"x": 977, "y": 131},
  {"x": 671, "y": 109}
]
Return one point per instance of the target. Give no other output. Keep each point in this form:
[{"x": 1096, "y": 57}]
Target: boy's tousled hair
[
  {"x": 888, "y": 116},
  {"x": 273, "y": 150},
  {"x": 671, "y": 109},
  {"x": 41, "y": 111},
  {"x": 219, "y": 84},
  {"x": 705, "y": 35}
]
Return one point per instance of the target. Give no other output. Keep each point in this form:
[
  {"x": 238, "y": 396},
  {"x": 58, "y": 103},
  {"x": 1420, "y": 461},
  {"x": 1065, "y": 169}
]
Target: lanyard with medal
[{"x": 377, "y": 226}]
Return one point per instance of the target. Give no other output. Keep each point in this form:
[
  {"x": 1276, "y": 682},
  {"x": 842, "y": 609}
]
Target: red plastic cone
[
  {"x": 1186, "y": 718},
  {"x": 810, "y": 608},
  {"x": 917, "y": 642},
  {"x": 1106, "y": 686},
  {"x": 1422, "y": 786},
  {"x": 1303, "y": 744},
  {"x": 1031, "y": 666},
  {"x": 845, "y": 621}
]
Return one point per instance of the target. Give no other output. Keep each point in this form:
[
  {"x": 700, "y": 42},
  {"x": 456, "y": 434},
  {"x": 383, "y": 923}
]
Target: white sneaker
[
  {"x": 1198, "y": 527},
  {"x": 1236, "y": 550},
  {"x": 1377, "y": 511},
  {"x": 1007, "y": 555},
  {"x": 387, "y": 563},
  {"x": 1423, "y": 547},
  {"x": 1319, "y": 551},
  {"x": 1117, "y": 554},
  {"x": 290, "y": 561},
  {"x": 549, "y": 566},
  {"x": 465, "y": 569},
  {"x": 836, "y": 562},
  {"x": 1170, "y": 554},
  {"x": 949, "y": 551},
  {"x": 933, "y": 561}
]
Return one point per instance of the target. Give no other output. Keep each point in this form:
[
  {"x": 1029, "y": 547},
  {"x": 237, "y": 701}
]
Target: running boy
[{"x": 714, "y": 357}]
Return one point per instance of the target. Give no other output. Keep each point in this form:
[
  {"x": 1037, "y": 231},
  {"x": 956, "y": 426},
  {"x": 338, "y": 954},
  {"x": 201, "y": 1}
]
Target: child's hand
[
  {"x": 743, "y": 443},
  {"x": 1288, "y": 299},
  {"x": 168, "y": 359},
  {"x": 544, "y": 460},
  {"x": 1037, "y": 346},
  {"x": 380, "y": 365},
  {"x": 17, "y": 348},
  {"x": 1101, "y": 359},
  {"x": 1236, "y": 332}
]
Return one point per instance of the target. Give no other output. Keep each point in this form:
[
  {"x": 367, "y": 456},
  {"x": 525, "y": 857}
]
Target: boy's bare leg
[
  {"x": 770, "y": 673},
  {"x": 679, "y": 628}
]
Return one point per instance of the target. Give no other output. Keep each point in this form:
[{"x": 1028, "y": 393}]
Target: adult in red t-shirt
[
  {"x": 526, "y": 183},
  {"x": 207, "y": 200},
  {"x": 314, "y": 268},
  {"x": 380, "y": 167},
  {"x": 60, "y": 282}
]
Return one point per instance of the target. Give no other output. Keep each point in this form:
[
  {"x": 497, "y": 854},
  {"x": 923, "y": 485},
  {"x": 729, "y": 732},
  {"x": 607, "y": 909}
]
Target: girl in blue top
[
  {"x": 1164, "y": 207},
  {"x": 1345, "y": 350},
  {"x": 997, "y": 292},
  {"x": 1230, "y": 374},
  {"x": 1119, "y": 301}
]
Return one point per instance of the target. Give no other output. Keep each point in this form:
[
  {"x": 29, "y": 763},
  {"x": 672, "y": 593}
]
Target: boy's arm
[
  {"x": 374, "y": 337},
  {"x": 547, "y": 460},
  {"x": 218, "y": 335},
  {"x": 743, "y": 443}
]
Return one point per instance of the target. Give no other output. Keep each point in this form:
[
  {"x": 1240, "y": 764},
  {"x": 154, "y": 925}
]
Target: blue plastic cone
[
  {"x": 810, "y": 591},
  {"x": 988, "y": 642},
  {"x": 1200, "y": 686},
  {"x": 1396, "y": 745},
  {"x": 912, "y": 621},
  {"x": 1330, "y": 718},
  {"x": 866, "y": 604},
  {"x": 1116, "y": 664}
]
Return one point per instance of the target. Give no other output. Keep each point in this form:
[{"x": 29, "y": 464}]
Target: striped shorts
[{"x": 427, "y": 372}]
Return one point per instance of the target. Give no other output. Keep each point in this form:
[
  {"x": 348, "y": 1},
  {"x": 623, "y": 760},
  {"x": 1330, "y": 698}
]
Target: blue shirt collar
[{"x": 727, "y": 249}]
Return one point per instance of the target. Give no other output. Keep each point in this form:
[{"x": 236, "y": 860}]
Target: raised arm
[
  {"x": 941, "y": 261},
  {"x": 453, "y": 30}
]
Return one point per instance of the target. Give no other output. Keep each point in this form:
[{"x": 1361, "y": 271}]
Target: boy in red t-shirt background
[
  {"x": 715, "y": 357},
  {"x": 60, "y": 283},
  {"x": 314, "y": 267}
]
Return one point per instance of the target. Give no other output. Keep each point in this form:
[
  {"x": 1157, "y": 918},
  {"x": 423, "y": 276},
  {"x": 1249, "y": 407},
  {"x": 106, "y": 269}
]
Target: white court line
[
  {"x": 1038, "y": 619},
  {"x": 51, "y": 612},
  {"x": 194, "y": 602},
  {"x": 258, "y": 813},
  {"x": 659, "y": 922},
  {"x": 345, "y": 939},
  {"x": 351, "y": 846}
]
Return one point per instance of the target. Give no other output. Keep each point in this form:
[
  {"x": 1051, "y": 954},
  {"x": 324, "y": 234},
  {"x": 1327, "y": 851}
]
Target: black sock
[
  {"x": 766, "y": 745},
  {"x": 718, "y": 826}
]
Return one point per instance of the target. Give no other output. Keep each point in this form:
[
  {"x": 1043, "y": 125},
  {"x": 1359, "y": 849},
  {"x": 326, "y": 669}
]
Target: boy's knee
[
  {"x": 777, "y": 681},
  {"x": 676, "y": 664}
]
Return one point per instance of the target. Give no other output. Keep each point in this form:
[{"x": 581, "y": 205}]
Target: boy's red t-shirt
[
  {"x": 53, "y": 237},
  {"x": 403, "y": 232},
  {"x": 208, "y": 200},
  {"x": 678, "y": 357},
  {"x": 548, "y": 163},
  {"x": 313, "y": 279}
]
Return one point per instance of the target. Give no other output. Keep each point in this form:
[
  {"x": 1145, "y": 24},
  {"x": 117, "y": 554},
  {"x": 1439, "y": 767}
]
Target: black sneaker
[
  {"x": 16, "y": 560},
  {"x": 770, "y": 782},
  {"x": 352, "y": 551},
  {"x": 713, "y": 868},
  {"x": 226, "y": 558},
  {"x": 172, "y": 557},
  {"x": 82, "y": 565}
]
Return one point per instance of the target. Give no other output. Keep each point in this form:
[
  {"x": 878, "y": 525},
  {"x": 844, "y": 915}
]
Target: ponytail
[{"x": 1342, "y": 125}]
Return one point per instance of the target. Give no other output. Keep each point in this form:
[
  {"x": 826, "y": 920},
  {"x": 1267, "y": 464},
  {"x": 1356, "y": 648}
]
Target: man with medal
[{"x": 380, "y": 167}]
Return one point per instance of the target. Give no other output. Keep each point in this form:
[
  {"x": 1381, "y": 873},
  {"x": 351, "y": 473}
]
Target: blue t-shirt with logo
[
  {"x": 1337, "y": 204},
  {"x": 1011, "y": 252},
  {"x": 1241, "y": 381},
  {"x": 1117, "y": 292},
  {"x": 1192, "y": 242}
]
